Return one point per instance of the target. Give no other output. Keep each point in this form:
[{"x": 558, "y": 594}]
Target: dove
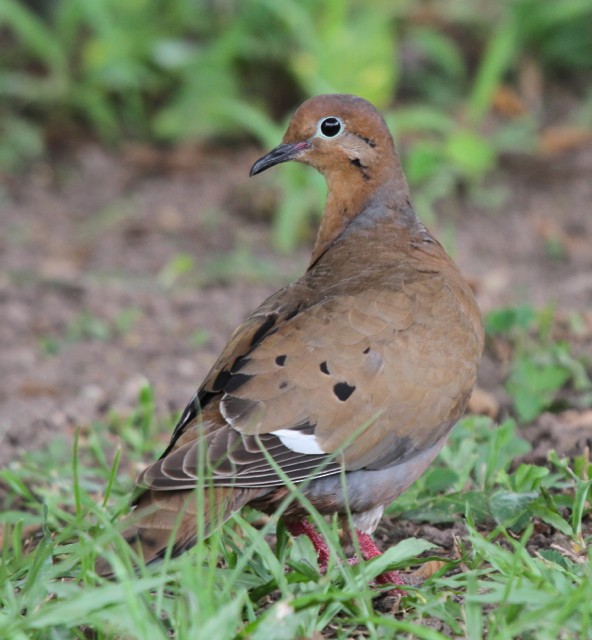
[{"x": 344, "y": 383}]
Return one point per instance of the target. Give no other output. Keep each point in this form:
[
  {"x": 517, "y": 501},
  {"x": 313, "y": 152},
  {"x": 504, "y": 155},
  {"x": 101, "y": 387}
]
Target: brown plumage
[{"x": 363, "y": 364}]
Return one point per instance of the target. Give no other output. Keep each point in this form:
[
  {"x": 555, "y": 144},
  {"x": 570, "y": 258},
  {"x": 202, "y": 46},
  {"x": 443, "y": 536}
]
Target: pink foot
[
  {"x": 369, "y": 550},
  {"x": 303, "y": 527}
]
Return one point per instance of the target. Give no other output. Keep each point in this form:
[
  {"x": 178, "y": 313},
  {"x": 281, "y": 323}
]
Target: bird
[{"x": 346, "y": 382}]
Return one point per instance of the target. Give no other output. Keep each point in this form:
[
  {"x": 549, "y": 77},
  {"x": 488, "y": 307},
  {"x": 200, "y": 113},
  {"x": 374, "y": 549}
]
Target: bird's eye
[{"x": 330, "y": 127}]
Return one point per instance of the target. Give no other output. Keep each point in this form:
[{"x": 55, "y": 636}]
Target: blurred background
[{"x": 133, "y": 242}]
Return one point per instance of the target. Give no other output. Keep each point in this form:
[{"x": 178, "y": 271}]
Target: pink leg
[
  {"x": 369, "y": 550},
  {"x": 303, "y": 527}
]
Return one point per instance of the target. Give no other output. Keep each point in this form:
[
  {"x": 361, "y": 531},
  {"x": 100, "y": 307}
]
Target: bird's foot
[
  {"x": 303, "y": 527},
  {"x": 369, "y": 550}
]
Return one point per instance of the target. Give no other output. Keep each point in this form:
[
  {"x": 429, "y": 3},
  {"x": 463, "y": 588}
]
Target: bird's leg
[
  {"x": 303, "y": 527},
  {"x": 369, "y": 550}
]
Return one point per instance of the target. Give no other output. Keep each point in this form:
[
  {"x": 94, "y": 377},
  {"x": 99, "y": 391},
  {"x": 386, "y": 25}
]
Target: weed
[{"x": 541, "y": 368}]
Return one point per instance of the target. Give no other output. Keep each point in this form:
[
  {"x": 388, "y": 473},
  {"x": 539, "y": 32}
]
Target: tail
[{"x": 160, "y": 514}]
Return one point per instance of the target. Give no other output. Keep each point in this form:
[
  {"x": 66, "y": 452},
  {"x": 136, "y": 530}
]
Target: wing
[{"x": 365, "y": 380}]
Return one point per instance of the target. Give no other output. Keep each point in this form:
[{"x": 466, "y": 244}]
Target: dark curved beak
[{"x": 282, "y": 153}]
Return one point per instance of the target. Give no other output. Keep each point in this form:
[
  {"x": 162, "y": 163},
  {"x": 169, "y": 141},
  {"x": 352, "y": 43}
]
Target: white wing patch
[{"x": 299, "y": 442}]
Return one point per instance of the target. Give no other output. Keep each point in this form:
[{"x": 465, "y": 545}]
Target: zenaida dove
[{"x": 352, "y": 376}]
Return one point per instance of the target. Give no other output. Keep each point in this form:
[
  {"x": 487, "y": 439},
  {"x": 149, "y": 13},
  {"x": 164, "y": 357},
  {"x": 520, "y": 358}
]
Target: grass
[
  {"x": 172, "y": 72},
  {"x": 519, "y": 566}
]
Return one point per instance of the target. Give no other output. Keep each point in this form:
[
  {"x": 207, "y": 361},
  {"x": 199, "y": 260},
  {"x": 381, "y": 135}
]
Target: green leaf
[
  {"x": 422, "y": 118},
  {"x": 76, "y": 609},
  {"x": 579, "y": 506},
  {"x": 330, "y": 58},
  {"x": 533, "y": 385},
  {"x": 405, "y": 550},
  {"x": 473, "y": 155},
  {"x": 540, "y": 510},
  {"x": 37, "y": 36},
  {"x": 441, "y": 49},
  {"x": 440, "y": 478},
  {"x": 504, "y": 320},
  {"x": 423, "y": 161},
  {"x": 280, "y": 622},
  {"x": 449, "y": 507},
  {"x": 495, "y": 62},
  {"x": 508, "y": 507},
  {"x": 528, "y": 477}
]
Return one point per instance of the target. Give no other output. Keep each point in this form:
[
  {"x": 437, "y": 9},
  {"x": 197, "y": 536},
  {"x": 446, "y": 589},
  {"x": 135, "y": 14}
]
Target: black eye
[{"x": 330, "y": 126}]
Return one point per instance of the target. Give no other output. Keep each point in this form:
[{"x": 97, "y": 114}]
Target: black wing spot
[
  {"x": 324, "y": 368},
  {"x": 367, "y": 350},
  {"x": 264, "y": 328},
  {"x": 239, "y": 363},
  {"x": 343, "y": 390},
  {"x": 221, "y": 380},
  {"x": 236, "y": 380},
  {"x": 280, "y": 360},
  {"x": 283, "y": 384}
]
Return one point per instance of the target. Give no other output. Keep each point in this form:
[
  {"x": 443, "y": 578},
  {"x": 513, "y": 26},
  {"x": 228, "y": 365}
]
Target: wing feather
[{"x": 369, "y": 376}]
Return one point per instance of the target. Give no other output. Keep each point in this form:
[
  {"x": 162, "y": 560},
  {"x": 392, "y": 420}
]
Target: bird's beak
[{"x": 282, "y": 153}]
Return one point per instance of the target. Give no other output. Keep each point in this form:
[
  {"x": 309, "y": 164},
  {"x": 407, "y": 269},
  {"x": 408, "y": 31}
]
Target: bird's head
[{"x": 336, "y": 134}]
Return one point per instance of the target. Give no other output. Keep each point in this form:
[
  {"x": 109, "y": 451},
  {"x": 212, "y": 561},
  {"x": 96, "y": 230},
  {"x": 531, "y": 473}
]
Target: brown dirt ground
[{"x": 86, "y": 241}]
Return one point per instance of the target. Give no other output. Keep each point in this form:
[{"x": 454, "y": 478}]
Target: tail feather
[{"x": 160, "y": 514}]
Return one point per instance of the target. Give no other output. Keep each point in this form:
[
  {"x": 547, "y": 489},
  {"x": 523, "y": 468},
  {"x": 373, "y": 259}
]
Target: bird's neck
[{"x": 348, "y": 196}]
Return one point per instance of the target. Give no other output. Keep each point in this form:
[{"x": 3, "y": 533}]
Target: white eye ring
[{"x": 330, "y": 127}]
